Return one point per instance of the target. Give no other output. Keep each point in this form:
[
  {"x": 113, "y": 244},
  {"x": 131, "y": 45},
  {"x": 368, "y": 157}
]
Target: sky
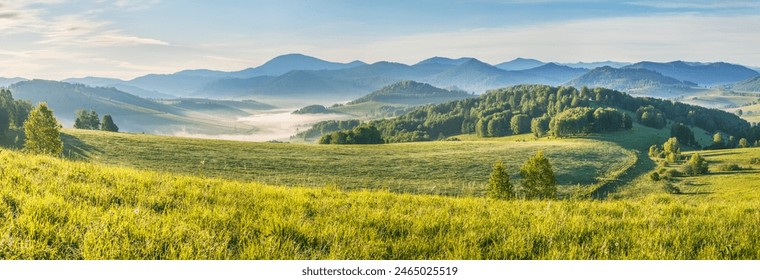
[{"x": 58, "y": 39}]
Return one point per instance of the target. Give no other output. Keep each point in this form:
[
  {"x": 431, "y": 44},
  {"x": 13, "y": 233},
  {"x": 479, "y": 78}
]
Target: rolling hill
[
  {"x": 477, "y": 76},
  {"x": 751, "y": 85},
  {"x": 411, "y": 93},
  {"x": 5, "y": 82},
  {"x": 701, "y": 73},
  {"x": 119, "y": 85},
  {"x": 556, "y": 74},
  {"x": 444, "y": 60},
  {"x": 592, "y": 65},
  {"x": 635, "y": 81},
  {"x": 131, "y": 113}
]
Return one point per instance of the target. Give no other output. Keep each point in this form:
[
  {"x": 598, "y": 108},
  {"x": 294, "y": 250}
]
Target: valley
[{"x": 229, "y": 164}]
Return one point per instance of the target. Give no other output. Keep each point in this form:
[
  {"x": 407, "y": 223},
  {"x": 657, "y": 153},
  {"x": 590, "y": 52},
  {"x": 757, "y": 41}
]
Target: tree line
[{"x": 557, "y": 111}]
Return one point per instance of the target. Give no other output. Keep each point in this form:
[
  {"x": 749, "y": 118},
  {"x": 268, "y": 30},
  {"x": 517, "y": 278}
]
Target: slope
[
  {"x": 700, "y": 73},
  {"x": 56, "y": 209},
  {"x": 131, "y": 113},
  {"x": 411, "y": 93},
  {"x": 448, "y": 168},
  {"x": 556, "y": 74},
  {"x": 634, "y": 81},
  {"x": 751, "y": 85}
]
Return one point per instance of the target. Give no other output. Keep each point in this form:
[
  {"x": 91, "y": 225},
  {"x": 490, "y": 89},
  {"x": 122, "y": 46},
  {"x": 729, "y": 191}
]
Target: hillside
[
  {"x": 512, "y": 110},
  {"x": 592, "y": 65},
  {"x": 556, "y": 74},
  {"x": 751, "y": 84},
  {"x": 519, "y": 64},
  {"x": 5, "y": 82},
  {"x": 478, "y": 76},
  {"x": 633, "y": 81},
  {"x": 444, "y": 61},
  {"x": 58, "y": 209},
  {"x": 411, "y": 93},
  {"x": 119, "y": 85},
  {"x": 131, "y": 113},
  {"x": 700, "y": 73},
  {"x": 313, "y": 109},
  {"x": 428, "y": 166}
]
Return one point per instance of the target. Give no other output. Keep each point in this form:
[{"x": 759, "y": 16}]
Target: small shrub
[
  {"x": 654, "y": 176},
  {"x": 671, "y": 189},
  {"x": 728, "y": 167},
  {"x": 754, "y": 161}
]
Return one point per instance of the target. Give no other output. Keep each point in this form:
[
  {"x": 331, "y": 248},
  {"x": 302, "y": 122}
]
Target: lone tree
[
  {"x": 108, "y": 125},
  {"x": 743, "y": 143},
  {"x": 499, "y": 186},
  {"x": 42, "y": 132},
  {"x": 672, "y": 149},
  {"x": 538, "y": 177},
  {"x": 718, "y": 141}
]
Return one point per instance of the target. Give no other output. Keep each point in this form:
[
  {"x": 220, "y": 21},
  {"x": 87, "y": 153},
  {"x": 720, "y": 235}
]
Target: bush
[
  {"x": 754, "y": 161},
  {"x": 654, "y": 176},
  {"x": 499, "y": 186},
  {"x": 670, "y": 188},
  {"x": 728, "y": 167},
  {"x": 696, "y": 165}
]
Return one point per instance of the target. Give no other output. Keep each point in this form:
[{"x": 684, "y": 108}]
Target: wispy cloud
[
  {"x": 661, "y": 38},
  {"x": 698, "y": 4}
]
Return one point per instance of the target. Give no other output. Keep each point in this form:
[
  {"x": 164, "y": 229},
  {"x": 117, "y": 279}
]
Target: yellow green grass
[
  {"x": 56, "y": 209},
  {"x": 448, "y": 168}
]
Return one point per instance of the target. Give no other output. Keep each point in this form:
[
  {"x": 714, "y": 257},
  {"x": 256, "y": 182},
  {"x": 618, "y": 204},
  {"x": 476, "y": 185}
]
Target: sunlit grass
[{"x": 56, "y": 209}]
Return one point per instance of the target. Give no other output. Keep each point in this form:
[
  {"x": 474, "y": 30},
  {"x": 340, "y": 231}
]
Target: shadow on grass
[
  {"x": 76, "y": 149},
  {"x": 694, "y": 193}
]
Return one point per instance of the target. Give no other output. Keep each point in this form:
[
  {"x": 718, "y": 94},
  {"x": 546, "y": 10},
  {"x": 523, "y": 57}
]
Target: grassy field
[
  {"x": 57, "y": 209},
  {"x": 449, "y": 168}
]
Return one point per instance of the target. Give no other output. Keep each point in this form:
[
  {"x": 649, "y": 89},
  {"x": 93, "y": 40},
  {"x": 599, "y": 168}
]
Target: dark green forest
[{"x": 558, "y": 111}]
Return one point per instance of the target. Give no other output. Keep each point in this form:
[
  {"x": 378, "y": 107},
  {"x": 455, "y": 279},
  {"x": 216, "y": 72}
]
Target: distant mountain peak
[
  {"x": 520, "y": 63},
  {"x": 411, "y": 92},
  {"x": 444, "y": 60}
]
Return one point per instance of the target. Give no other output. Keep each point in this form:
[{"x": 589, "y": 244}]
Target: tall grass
[{"x": 56, "y": 209}]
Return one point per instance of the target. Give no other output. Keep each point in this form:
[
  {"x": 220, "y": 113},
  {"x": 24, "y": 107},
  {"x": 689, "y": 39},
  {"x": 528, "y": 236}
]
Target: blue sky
[{"x": 56, "y": 39}]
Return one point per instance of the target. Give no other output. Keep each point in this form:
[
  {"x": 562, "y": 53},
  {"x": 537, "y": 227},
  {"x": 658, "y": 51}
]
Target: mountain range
[{"x": 296, "y": 77}]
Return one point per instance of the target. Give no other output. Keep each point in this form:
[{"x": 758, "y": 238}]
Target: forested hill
[
  {"x": 411, "y": 92},
  {"x": 555, "y": 110}
]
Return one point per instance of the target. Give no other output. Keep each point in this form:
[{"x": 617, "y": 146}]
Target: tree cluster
[
  {"x": 13, "y": 113},
  {"x": 90, "y": 120},
  {"x": 364, "y": 134},
  {"x": 87, "y": 120},
  {"x": 492, "y": 113},
  {"x": 327, "y": 127},
  {"x": 538, "y": 180}
]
